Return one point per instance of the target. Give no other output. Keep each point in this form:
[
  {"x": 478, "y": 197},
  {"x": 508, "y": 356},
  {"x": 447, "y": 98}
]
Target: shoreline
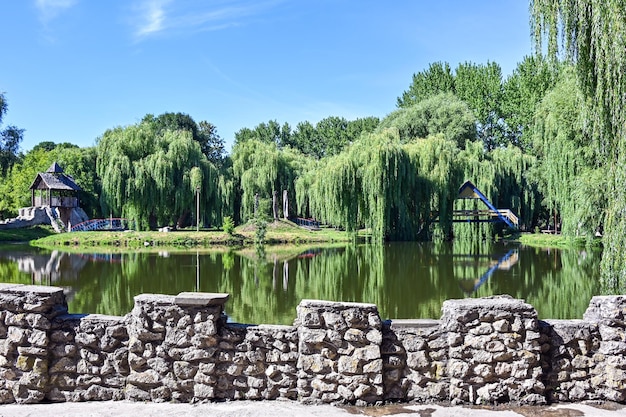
[{"x": 278, "y": 233}]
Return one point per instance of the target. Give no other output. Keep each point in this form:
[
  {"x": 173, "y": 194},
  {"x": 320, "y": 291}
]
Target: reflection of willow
[
  {"x": 269, "y": 292},
  {"x": 405, "y": 280},
  {"x": 354, "y": 274},
  {"x": 109, "y": 288},
  {"x": 10, "y": 273},
  {"x": 253, "y": 298},
  {"x": 559, "y": 284}
]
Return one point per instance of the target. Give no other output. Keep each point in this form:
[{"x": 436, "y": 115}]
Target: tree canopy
[
  {"x": 205, "y": 133},
  {"x": 10, "y": 138},
  {"x": 146, "y": 174},
  {"x": 591, "y": 34},
  {"x": 443, "y": 113}
]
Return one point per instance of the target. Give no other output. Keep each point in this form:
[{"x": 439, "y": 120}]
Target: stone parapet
[
  {"x": 182, "y": 348},
  {"x": 339, "y": 352}
]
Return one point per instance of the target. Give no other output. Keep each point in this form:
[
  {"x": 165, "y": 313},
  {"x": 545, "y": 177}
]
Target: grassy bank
[
  {"x": 280, "y": 232},
  {"x": 26, "y": 234},
  {"x": 557, "y": 241}
]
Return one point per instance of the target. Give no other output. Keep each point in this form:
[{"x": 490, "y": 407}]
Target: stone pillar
[
  {"x": 608, "y": 371},
  {"x": 495, "y": 351},
  {"x": 173, "y": 346},
  {"x": 25, "y": 323},
  {"x": 340, "y": 352}
]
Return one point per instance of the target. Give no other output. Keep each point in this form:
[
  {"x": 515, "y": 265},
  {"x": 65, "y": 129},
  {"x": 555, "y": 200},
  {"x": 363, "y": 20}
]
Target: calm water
[{"x": 405, "y": 280}]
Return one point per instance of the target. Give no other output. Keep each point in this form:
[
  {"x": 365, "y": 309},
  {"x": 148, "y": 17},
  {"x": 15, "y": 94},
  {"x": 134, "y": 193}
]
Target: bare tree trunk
[
  {"x": 285, "y": 205},
  {"x": 275, "y": 204}
]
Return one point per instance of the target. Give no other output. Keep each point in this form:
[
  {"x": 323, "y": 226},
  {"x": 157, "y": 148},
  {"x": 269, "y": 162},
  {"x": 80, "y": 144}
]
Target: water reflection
[
  {"x": 405, "y": 280},
  {"x": 504, "y": 263}
]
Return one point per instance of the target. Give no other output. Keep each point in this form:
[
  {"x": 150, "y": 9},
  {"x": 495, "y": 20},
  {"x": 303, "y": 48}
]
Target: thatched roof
[{"x": 54, "y": 179}]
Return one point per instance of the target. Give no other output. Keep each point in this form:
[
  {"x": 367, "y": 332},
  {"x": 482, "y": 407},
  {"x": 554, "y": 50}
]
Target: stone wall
[
  {"x": 182, "y": 348},
  {"x": 58, "y": 217}
]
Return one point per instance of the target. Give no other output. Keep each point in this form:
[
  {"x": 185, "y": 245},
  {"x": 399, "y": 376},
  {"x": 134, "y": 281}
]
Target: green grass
[
  {"x": 280, "y": 232},
  {"x": 25, "y": 234},
  {"x": 557, "y": 241}
]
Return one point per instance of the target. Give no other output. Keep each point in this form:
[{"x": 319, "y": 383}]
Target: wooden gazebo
[{"x": 54, "y": 188}]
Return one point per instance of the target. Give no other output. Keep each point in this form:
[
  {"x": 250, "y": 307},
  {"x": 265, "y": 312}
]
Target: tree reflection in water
[{"x": 405, "y": 280}]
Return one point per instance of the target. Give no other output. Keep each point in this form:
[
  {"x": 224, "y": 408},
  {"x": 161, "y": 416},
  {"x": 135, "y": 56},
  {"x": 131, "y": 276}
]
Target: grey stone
[
  {"x": 348, "y": 365},
  {"x": 148, "y": 379}
]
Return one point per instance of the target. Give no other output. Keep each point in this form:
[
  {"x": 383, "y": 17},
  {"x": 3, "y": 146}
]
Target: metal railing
[{"x": 102, "y": 224}]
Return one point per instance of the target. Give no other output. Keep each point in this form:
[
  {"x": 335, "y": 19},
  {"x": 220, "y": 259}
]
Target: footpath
[{"x": 295, "y": 409}]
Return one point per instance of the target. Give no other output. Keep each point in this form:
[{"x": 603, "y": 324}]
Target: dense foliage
[
  {"x": 150, "y": 175},
  {"x": 532, "y": 142},
  {"x": 10, "y": 138},
  {"x": 592, "y": 34}
]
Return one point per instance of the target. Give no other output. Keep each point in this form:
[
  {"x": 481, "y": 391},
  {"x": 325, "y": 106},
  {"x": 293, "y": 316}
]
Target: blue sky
[{"x": 71, "y": 69}]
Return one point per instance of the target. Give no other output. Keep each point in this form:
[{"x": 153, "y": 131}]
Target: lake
[{"x": 405, "y": 280}]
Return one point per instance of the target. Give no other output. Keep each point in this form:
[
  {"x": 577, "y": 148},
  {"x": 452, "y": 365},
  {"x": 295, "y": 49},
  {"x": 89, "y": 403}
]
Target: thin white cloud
[
  {"x": 151, "y": 17},
  {"x": 50, "y": 9},
  {"x": 162, "y": 17}
]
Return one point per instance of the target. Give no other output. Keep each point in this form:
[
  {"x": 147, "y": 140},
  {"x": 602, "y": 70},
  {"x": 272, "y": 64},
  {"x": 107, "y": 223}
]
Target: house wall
[{"x": 181, "y": 348}]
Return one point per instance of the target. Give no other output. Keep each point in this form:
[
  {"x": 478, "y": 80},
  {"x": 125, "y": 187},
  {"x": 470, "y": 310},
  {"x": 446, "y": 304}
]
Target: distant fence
[{"x": 309, "y": 223}]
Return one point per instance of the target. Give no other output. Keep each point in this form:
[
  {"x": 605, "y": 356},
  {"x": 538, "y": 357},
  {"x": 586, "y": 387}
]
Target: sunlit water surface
[{"x": 405, "y": 280}]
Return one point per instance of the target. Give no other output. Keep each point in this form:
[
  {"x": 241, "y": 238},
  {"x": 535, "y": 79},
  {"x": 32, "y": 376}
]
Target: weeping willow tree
[
  {"x": 394, "y": 181},
  {"x": 386, "y": 186},
  {"x": 261, "y": 168},
  {"x": 572, "y": 180},
  {"x": 147, "y": 175},
  {"x": 592, "y": 34}
]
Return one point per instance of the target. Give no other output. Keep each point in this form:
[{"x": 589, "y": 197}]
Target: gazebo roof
[
  {"x": 55, "y": 168},
  {"x": 54, "y": 179}
]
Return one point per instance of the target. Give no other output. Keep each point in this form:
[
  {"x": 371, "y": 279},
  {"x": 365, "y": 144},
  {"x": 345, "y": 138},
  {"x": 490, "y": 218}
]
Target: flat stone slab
[
  {"x": 201, "y": 299},
  {"x": 335, "y": 304},
  {"x": 34, "y": 289},
  {"x": 159, "y": 299},
  {"x": 414, "y": 323},
  {"x": 104, "y": 318},
  {"x": 4, "y": 286},
  {"x": 487, "y": 303}
]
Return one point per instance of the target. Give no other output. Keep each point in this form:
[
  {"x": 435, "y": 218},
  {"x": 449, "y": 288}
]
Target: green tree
[
  {"x": 523, "y": 90},
  {"x": 572, "y": 180},
  {"x": 440, "y": 114},
  {"x": 261, "y": 168},
  {"x": 270, "y": 132},
  {"x": 146, "y": 175},
  {"x": 382, "y": 184},
  {"x": 211, "y": 143},
  {"x": 10, "y": 138},
  {"x": 437, "y": 79},
  {"x": 205, "y": 133},
  {"x": 480, "y": 86},
  {"x": 333, "y": 132},
  {"x": 592, "y": 32}
]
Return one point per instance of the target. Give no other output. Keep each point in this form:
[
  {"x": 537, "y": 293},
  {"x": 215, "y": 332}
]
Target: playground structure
[{"x": 491, "y": 214}]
